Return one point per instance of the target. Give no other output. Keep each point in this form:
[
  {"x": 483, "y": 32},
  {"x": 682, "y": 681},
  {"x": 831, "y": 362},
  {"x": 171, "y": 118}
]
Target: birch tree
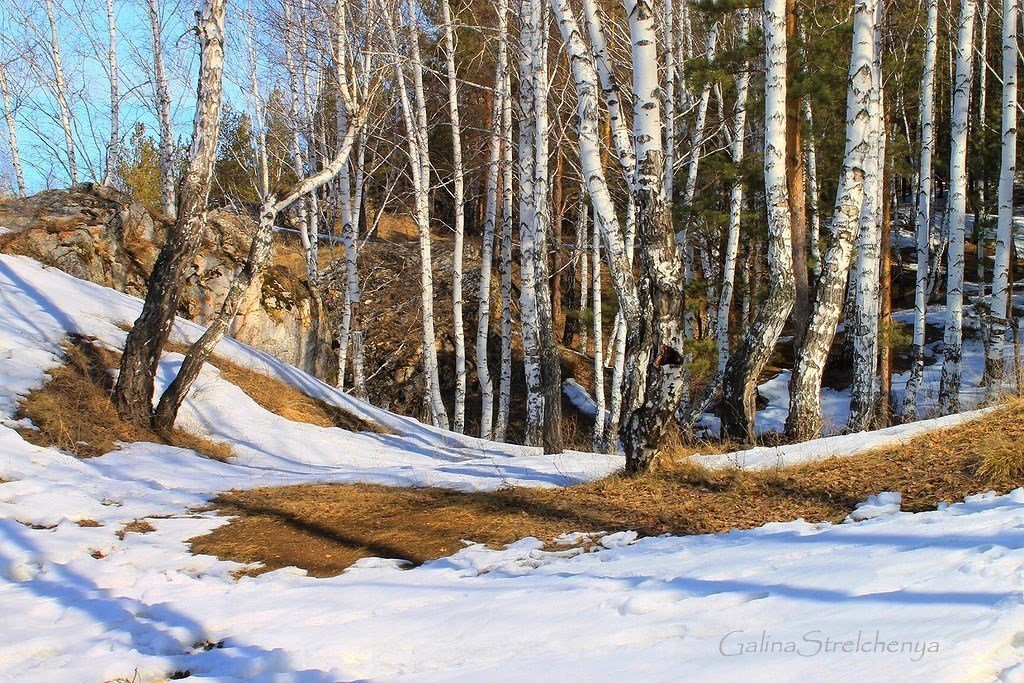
[
  {"x": 260, "y": 253},
  {"x": 655, "y": 364},
  {"x": 114, "y": 143},
  {"x": 739, "y": 383},
  {"x": 995, "y": 364},
  {"x": 923, "y": 218},
  {"x": 12, "y": 130},
  {"x": 529, "y": 231},
  {"x": 60, "y": 91},
  {"x": 163, "y": 112},
  {"x": 599, "y": 444},
  {"x": 805, "y": 417},
  {"x": 491, "y": 216},
  {"x": 133, "y": 392},
  {"x": 956, "y": 214},
  {"x": 414, "y": 113},
  {"x": 863, "y": 392},
  {"x": 459, "y": 195},
  {"x": 505, "y": 263},
  {"x": 735, "y": 210}
]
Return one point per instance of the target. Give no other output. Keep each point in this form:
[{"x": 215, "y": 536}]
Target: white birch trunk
[
  {"x": 735, "y": 206},
  {"x": 490, "y": 228},
  {"x": 459, "y": 193},
  {"x": 923, "y": 217},
  {"x": 739, "y": 384},
  {"x": 60, "y": 89},
  {"x": 693, "y": 166},
  {"x": 995, "y": 364},
  {"x": 12, "y": 131},
  {"x": 415, "y": 116},
  {"x": 863, "y": 392},
  {"x": 581, "y": 248},
  {"x": 981, "y": 224},
  {"x": 599, "y": 421},
  {"x": 611, "y": 91},
  {"x": 163, "y": 113},
  {"x": 805, "y": 417},
  {"x": 505, "y": 263},
  {"x": 811, "y": 153},
  {"x": 114, "y": 144},
  {"x": 528, "y": 219},
  {"x": 655, "y": 377},
  {"x": 949, "y": 385}
]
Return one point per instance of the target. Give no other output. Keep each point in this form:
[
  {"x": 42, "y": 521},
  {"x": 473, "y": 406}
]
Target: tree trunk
[
  {"x": 163, "y": 114},
  {"x": 505, "y": 262},
  {"x": 459, "y": 195},
  {"x": 952, "y": 344},
  {"x": 260, "y": 253},
  {"x": 114, "y": 143},
  {"x": 995, "y": 363},
  {"x": 133, "y": 393},
  {"x": 12, "y": 131},
  {"x": 796, "y": 180},
  {"x": 739, "y": 384},
  {"x": 490, "y": 225},
  {"x": 864, "y": 331},
  {"x": 60, "y": 90},
  {"x": 599, "y": 444},
  {"x": 655, "y": 365},
  {"x": 805, "y": 419},
  {"x": 923, "y": 213}
]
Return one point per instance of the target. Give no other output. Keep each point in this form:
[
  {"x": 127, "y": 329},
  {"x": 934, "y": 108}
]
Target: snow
[
  {"x": 769, "y": 457},
  {"x": 581, "y": 398},
  {"x": 85, "y": 605},
  {"x": 884, "y": 503}
]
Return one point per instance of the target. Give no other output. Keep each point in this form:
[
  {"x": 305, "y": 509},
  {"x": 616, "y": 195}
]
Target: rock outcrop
[{"x": 99, "y": 234}]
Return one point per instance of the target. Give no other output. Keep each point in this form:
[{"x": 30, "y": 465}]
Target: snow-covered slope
[
  {"x": 39, "y": 306},
  {"x": 935, "y": 596}
]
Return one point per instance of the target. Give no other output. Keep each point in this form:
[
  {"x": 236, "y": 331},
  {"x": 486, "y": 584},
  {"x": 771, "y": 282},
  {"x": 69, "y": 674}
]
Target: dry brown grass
[
  {"x": 324, "y": 528},
  {"x": 73, "y": 411},
  {"x": 136, "y": 526}
]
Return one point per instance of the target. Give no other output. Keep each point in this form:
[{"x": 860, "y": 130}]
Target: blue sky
[{"x": 82, "y": 26}]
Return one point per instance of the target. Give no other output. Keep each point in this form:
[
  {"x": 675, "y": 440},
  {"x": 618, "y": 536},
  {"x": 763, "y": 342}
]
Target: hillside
[{"x": 96, "y": 560}]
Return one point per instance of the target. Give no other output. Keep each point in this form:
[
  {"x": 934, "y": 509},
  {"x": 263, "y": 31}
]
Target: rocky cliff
[{"x": 99, "y": 234}]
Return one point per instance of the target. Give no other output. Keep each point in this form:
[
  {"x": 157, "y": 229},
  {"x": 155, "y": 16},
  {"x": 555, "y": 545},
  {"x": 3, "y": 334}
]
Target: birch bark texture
[
  {"x": 414, "y": 113},
  {"x": 459, "y": 197},
  {"x": 163, "y": 112},
  {"x": 864, "y": 391},
  {"x": 956, "y": 213},
  {"x": 496, "y": 144},
  {"x": 923, "y": 213},
  {"x": 739, "y": 383},
  {"x": 656, "y": 360},
  {"x": 133, "y": 392},
  {"x": 995, "y": 363},
  {"x": 805, "y": 419}
]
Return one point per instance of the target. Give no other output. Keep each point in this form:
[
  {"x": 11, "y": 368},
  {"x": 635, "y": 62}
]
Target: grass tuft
[{"x": 73, "y": 411}]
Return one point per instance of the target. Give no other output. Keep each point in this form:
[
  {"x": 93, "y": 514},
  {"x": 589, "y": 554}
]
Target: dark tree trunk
[{"x": 796, "y": 180}]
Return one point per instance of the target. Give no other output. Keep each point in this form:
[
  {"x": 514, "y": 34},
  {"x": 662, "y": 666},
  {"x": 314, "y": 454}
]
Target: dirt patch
[
  {"x": 73, "y": 411},
  {"x": 324, "y": 528}
]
